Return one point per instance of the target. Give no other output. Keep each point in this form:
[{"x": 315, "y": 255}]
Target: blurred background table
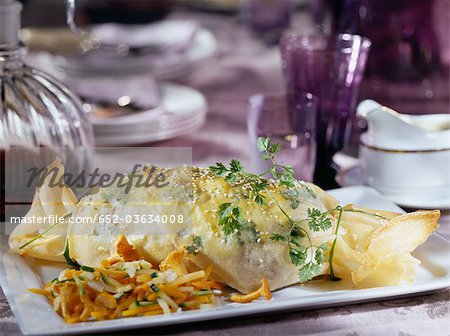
[{"x": 227, "y": 81}]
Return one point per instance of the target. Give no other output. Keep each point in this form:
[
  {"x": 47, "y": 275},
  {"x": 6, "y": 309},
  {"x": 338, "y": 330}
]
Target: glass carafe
[{"x": 40, "y": 119}]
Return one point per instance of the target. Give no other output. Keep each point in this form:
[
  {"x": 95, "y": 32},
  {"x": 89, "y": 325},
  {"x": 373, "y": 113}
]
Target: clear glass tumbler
[
  {"x": 292, "y": 126},
  {"x": 331, "y": 68}
]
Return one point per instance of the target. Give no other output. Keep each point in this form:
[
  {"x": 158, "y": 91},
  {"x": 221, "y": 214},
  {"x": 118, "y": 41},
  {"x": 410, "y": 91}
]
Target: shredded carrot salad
[{"x": 120, "y": 288}]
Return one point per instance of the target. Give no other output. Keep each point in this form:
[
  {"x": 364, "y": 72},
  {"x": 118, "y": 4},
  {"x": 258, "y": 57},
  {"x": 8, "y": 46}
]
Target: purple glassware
[
  {"x": 267, "y": 18},
  {"x": 408, "y": 66},
  {"x": 331, "y": 68}
]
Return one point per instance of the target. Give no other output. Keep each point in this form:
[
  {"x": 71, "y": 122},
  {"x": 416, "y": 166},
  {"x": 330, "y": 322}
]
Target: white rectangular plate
[{"x": 36, "y": 317}]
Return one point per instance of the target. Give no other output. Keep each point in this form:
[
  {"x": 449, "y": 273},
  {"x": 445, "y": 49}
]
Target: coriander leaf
[
  {"x": 236, "y": 166},
  {"x": 318, "y": 220},
  {"x": 263, "y": 143},
  {"x": 259, "y": 186},
  {"x": 319, "y": 256},
  {"x": 237, "y": 213},
  {"x": 274, "y": 148},
  {"x": 287, "y": 176},
  {"x": 295, "y": 240},
  {"x": 260, "y": 199},
  {"x": 307, "y": 272},
  {"x": 289, "y": 169},
  {"x": 277, "y": 237},
  {"x": 230, "y": 218},
  {"x": 298, "y": 256},
  {"x": 231, "y": 178},
  {"x": 218, "y": 169},
  {"x": 225, "y": 210}
]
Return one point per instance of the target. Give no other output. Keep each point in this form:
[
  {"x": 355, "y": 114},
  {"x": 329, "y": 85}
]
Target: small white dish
[
  {"x": 404, "y": 154},
  {"x": 17, "y": 274},
  {"x": 433, "y": 199}
]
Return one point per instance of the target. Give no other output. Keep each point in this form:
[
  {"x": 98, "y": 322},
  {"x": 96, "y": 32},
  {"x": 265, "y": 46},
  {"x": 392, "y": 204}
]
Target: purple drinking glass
[
  {"x": 292, "y": 126},
  {"x": 331, "y": 68},
  {"x": 409, "y": 63}
]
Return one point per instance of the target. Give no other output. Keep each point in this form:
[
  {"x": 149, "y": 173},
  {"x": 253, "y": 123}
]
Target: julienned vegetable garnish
[{"x": 121, "y": 287}]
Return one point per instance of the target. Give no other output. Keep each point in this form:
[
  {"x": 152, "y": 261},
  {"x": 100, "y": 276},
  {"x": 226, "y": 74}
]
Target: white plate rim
[
  {"x": 203, "y": 48},
  {"x": 152, "y": 137},
  {"x": 168, "y": 92}
]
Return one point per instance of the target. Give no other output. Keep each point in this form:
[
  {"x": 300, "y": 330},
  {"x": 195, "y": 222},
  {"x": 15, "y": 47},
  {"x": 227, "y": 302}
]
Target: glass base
[{"x": 325, "y": 171}]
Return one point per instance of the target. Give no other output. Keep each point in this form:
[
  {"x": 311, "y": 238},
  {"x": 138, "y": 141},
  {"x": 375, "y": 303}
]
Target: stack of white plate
[
  {"x": 163, "y": 66},
  {"x": 182, "y": 111}
]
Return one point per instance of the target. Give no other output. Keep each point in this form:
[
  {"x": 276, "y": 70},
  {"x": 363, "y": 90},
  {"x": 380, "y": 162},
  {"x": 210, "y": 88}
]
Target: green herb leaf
[
  {"x": 230, "y": 218},
  {"x": 196, "y": 245},
  {"x": 319, "y": 256},
  {"x": 236, "y": 166},
  {"x": 260, "y": 199},
  {"x": 218, "y": 169},
  {"x": 277, "y": 237},
  {"x": 66, "y": 255},
  {"x": 274, "y": 148},
  {"x": 298, "y": 255},
  {"x": 87, "y": 268},
  {"x": 308, "y": 271},
  {"x": 262, "y": 143},
  {"x": 318, "y": 220}
]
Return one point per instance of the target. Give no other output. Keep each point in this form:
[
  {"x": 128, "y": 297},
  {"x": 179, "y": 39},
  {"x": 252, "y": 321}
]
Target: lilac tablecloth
[{"x": 244, "y": 66}]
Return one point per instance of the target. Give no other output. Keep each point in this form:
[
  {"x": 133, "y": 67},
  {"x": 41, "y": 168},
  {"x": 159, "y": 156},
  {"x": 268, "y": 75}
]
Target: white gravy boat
[{"x": 404, "y": 153}]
